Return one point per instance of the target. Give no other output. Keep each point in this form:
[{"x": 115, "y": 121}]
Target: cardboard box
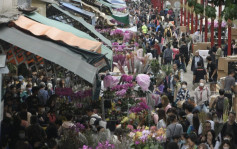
[
  {"x": 235, "y": 88},
  {"x": 234, "y": 37},
  {"x": 195, "y": 48},
  {"x": 204, "y": 45},
  {"x": 232, "y": 57},
  {"x": 221, "y": 73},
  {"x": 221, "y": 63},
  {"x": 183, "y": 29},
  {"x": 227, "y": 60},
  {"x": 201, "y": 46},
  {"x": 233, "y": 31}
]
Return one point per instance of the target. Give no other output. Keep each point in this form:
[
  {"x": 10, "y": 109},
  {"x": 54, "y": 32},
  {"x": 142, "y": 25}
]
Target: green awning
[
  {"x": 67, "y": 28},
  {"x": 122, "y": 18},
  {"x": 59, "y": 54}
]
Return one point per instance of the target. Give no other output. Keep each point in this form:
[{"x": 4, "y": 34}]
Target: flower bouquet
[
  {"x": 148, "y": 138},
  {"x": 117, "y": 33}
]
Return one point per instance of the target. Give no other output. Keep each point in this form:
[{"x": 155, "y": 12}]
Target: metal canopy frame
[
  {"x": 36, "y": 63},
  {"x": 55, "y": 14}
]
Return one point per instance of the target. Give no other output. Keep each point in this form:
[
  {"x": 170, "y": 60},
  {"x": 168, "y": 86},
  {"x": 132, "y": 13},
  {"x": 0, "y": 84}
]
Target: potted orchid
[
  {"x": 148, "y": 138},
  {"x": 72, "y": 137}
]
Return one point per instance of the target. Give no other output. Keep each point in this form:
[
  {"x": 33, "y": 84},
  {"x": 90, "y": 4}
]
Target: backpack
[
  {"x": 168, "y": 33},
  {"x": 168, "y": 53},
  {"x": 220, "y": 104},
  {"x": 99, "y": 122}
]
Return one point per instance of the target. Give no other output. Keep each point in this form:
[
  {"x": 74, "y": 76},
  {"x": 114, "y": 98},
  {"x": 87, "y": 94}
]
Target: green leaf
[
  {"x": 230, "y": 12},
  {"x": 210, "y": 12},
  {"x": 198, "y": 8},
  {"x": 191, "y": 3}
]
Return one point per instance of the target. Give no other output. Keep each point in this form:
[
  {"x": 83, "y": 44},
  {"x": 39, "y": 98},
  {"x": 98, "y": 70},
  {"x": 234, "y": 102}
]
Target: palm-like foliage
[
  {"x": 198, "y": 8},
  {"x": 210, "y": 12},
  {"x": 229, "y": 12},
  {"x": 191, "y": 3}
]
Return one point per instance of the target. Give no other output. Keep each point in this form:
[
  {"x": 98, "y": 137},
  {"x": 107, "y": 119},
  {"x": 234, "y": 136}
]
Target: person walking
[
  {"x": 201, "y": 95},
  {"x": 219, "y": 103},
  {"x": 177, "y": 86},
  {"x": 218, "y": 54},
  {"x": 168, "y": 34},
  {"x": 212, "y": 70},
  {"x": 174, "y": 128},
  {"x": 168, "y": 54},
  {"x": 230, "y": 127},
  {"x": 183, "y": 95},
  {"x": 197, "y": 58},
  {"x": 198, "y": 74},
  {"x": 144, "y": 28},
  {"x": 229, "y": 85},
  {"x": 183, "y": 50},
  {"x": 225, "y": 49}
]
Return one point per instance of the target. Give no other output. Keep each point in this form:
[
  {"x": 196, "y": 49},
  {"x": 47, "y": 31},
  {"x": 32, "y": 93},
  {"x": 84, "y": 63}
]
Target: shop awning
[
  {"x": 55, "y": 34},
  {"x": 75, "y": 60},
  {"x": 123, "y": 18},
  {"x": 79, "y": 10},
  {"x": 65, "y": 27},
  {"x": 111, "y": 5},
  {"x": 85, "y": 24}
]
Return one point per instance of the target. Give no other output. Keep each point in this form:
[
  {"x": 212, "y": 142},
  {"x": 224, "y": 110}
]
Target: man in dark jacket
[
  {"x": 230, "y": 127},
  {"x": 197, "y": 58},
  {"x": 183, "y": 50},
  {"x": 168, "y": 54},
  {"x": 225, "y": 49}
]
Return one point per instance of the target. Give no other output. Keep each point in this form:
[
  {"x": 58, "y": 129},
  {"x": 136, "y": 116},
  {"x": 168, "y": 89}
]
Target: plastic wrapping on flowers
[{"x": 143, "y": 81}]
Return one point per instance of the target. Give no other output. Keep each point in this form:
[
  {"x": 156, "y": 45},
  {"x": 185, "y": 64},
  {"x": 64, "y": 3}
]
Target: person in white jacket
[{"x": 202, "y": 94}]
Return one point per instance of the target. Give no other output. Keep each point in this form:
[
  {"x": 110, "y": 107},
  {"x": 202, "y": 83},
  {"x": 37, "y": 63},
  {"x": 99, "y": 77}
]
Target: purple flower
[
  {"x": 105, "y": 145},
  {"x": 127, "y": 78},
  {"x": 108, "y": 81},
  {"x": 78, "y": 127},
  {"x": 140, "y": 107},
  {"x": 121, "y": 92},
  {"x": 115, "y": 44},
  {"x": 120, "y": 49},
  {"x": 216, "y": 24},
  {"x": 137, "y": 142},
  {"x": 86, "y": 147},
  {"x": 136, "y": 44},
  {"x": 223, "y": 24}
]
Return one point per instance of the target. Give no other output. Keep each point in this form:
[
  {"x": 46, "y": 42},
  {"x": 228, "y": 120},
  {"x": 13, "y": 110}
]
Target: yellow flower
[
  {"x": 113, "y": 106},
  {"x": 138, "y": 134},
  {"x": 132, "y": 116},
  {"x": 147, "y": 128},
  {"x": 125, "y": 120}
]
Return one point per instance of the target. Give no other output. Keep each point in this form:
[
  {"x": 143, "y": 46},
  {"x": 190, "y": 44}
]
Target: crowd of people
[{"x": 31, "y": 119}]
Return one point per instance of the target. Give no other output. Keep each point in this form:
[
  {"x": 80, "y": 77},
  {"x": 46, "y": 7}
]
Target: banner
[{"x": 133, "y": 29}]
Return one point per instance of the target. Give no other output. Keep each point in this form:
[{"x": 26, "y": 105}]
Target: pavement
[{"x": 188, "y": 77}]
